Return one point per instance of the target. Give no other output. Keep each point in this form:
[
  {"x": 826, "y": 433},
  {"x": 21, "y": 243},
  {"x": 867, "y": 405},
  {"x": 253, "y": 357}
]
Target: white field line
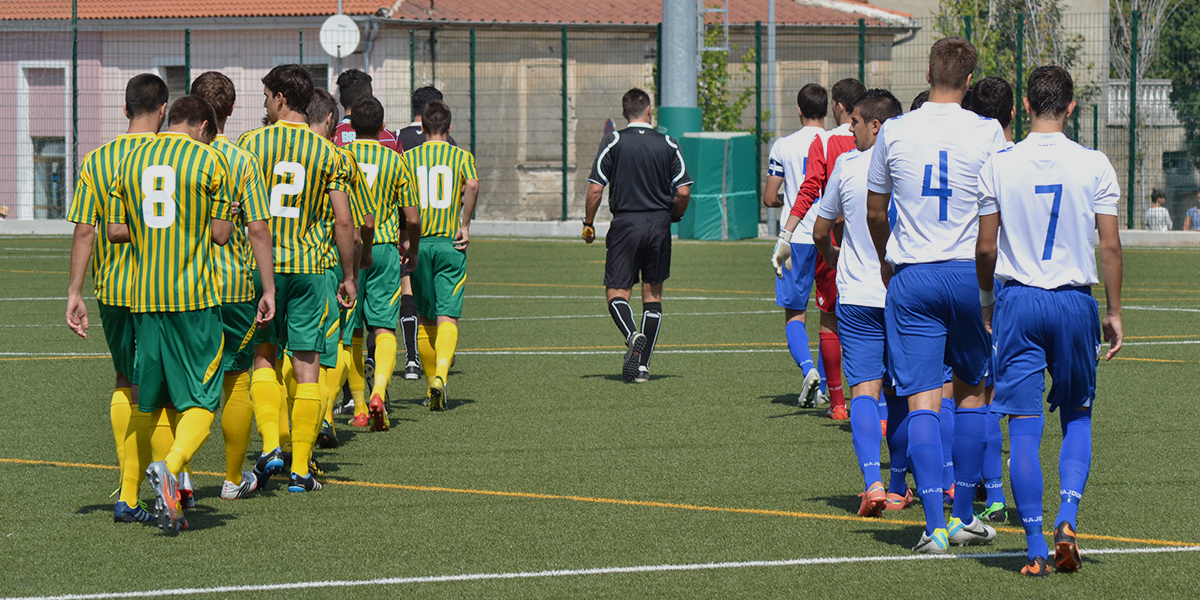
[
  {"x": 1161, "y": 308},
  {"x": 1175, "y": 343},
  {"x": 579, "y": 572},
  {"x": 54, "y": 354},
  {"x": 600, "y": 297},
  {"x": 613, "y": 351},
  {"x": 673, "y": 314},
  {"x": 90, "y": 325}
]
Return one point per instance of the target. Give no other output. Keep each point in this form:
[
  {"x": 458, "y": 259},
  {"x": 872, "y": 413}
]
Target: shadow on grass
[
  {"x": 845, "y": 503},
  {"x": 617, "y": 376}
]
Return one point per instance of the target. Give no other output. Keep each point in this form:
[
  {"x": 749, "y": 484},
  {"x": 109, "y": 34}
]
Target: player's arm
[
  {"x": 261, "y": 246},
  {"x": 470, "y": 196},
  {"x": 829, "y": 215},
  {"x": 591, "y": 204},
  {"x": 412, "y": 226},
  {"x": 1112, "y": 262},
  {"x": 985, "y": 264},
  {"x": 116, "y": 229},
  {"x": 83, "y": 239},
  {"x": 679, "y": 204},
  {"x": 343, "y": 226},
  {"x": 881, "y": 230},
  {"x": 771, "y": 197},
  {"x": 823, "y": 240},
  {"x": 366, "y": 238},
  {"x": 222, "y": 230},
  {"x": 598, "y": 179}
]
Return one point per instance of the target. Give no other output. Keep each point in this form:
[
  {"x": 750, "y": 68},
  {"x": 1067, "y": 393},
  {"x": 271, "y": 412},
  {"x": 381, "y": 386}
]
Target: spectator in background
[
  {"x": 1191, "y": 220},
  {"x": 1157, "y": 216}
]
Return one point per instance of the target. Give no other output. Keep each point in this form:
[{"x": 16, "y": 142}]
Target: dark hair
[
  {"x": 951, "y": 61},
  {"x": 193, "y": 110},
  {"x": 878, "y": 105},
  {"x": 1050, "y": 91},
  {"x": 145, "y": 93},
  {"x": 921, "y": 98},
  {"x": 634, "y": 103},
  {"x": 217, "y": 90},
  {"x": 992, "y": 97},
  {"x": 1156, "y": 193},
  {"x": 846, "y": 91},
  {"x": 322, "y": 105},
  {"x": 422, "y": 96},
  {"x": 366, "y": 116},
  {"x": 295, "y": 84},
  {"x": 353, "y": 84},
  {"x": 813, "y": 101},
  {"x": 436, "y": 118}
]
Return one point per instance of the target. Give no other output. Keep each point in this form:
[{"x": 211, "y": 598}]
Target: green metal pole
[
  {"x": 472, "y": 90},
  {"x": 1075, "y": 117},
  {"x": 187, "y": 61},
  {"x": 968, "y": 27},
  {"x": 862, "y": 50},
  {"x": 1133, "y": 60},
  {"x": 658, "y": 66},
  {"x": 302, "y": 47},
  {"x": 564, "y": 122},
  {"x": 74, "y": 89},
  {"x": 1018, "y": 129},
  {"x": 758, "y": 102},
  {"x": 1095, "y": 127},
  {"x": 412, "y": 63}
]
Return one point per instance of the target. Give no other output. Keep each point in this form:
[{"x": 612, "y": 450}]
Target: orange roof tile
[{"x": 156, "y": 9}]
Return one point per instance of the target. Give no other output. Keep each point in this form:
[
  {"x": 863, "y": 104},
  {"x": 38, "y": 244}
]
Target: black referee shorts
[{"x": 638, "y": 242}]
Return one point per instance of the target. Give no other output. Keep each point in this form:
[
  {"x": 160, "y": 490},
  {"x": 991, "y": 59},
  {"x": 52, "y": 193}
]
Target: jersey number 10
[{"x": 434, "y": 186}]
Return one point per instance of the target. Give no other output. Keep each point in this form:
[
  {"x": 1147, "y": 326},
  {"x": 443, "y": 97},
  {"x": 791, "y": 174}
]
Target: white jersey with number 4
[
  {"x": 929, "y": 161},
  {"x": 1048, "y": 191},
  {"x": 858, "y": 280},
  {"x": 789, "y": 160}
]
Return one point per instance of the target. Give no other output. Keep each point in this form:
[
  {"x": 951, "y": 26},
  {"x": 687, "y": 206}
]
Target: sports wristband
[
  {"x": 785, "y": 235},
  {"x": 987, "y": 297}
]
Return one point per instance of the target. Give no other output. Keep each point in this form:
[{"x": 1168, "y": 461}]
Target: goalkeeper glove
[{"x": 782, "y": 257}]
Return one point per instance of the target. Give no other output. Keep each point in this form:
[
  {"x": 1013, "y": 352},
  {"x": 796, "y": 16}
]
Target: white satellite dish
[{"x": 339, "y": 36}]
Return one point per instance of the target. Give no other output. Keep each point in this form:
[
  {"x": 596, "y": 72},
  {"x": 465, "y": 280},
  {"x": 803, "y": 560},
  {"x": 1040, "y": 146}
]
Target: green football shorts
[
  {"x": 333, "y": 323},
  {"x": 381, "y": 288},
  {"x": 239, "y": 327},
  {"x": 265, "y": 334},
  {"x": 439, "y": 278},
  {"x": 118, "y": 323},
  {"x": 350, "y": 318},
  {"x": 179, "y": 359},
  {"x": 301, "y": 309}
]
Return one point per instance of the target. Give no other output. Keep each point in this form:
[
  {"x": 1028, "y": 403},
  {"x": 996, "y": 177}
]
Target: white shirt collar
[
  {"x": 641, "y": 124},
  {"x": 416, "y": 124}
]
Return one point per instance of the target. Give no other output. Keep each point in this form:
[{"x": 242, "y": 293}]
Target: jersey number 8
[
  {"x": 152, "y": 196},
  {"x": 434, "y": 186},
  {"x": 279, "y": 190}
]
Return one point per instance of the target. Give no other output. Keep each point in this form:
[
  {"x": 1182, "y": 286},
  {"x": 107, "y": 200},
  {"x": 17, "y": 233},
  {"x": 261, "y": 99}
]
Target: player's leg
[
  {"x": 381, "y": 292},
  {"x": 996, "y": 510},
  {"x": 651, "y": 323},
  {"x": 125, "y": 418},
  {"x": 237, "y": 416},
  {"x": 449, "y": 284},
  {"x": 265, "y": 392},
  {"x": 653, "y": 261},
  {"x": 307, "y": 325},
  {"x": 408, "y": 327},
  {"x": 830, "y": 348},
  {"x": 791, "y": 293},
  {"x": 863, "y": 327},
  {"x": 899, "y": 494},
  {"x": 622, "y": 245},
  {"x": 946, "y": 427},
  {"x": 357, "y": 382}
]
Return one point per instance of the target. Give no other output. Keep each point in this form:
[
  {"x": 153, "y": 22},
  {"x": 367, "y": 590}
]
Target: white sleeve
[
  {"x": 1108, "y": 192},
  {"x": 830, "y": 205},
  {"x": 879, "y": 178},
  {"x": 986, "y": 190},
  {"x": 775, "y": 165}
]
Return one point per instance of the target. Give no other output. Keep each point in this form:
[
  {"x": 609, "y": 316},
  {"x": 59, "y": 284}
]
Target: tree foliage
[
  {"x": 720, "y": 108},
  {"x": 1178, "y": 59}
]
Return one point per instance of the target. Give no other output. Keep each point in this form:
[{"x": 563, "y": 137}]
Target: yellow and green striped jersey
[
  {"x": 298, "y": 168},
  {"x": 437, "y": 172},
  {"x": 168, "y": 191},
  {"x": 383, "y": 169},
  {"x": 358, "y": 195},
  {"x": 235, "y": 259},
  {"x": 112, "y": 264}
]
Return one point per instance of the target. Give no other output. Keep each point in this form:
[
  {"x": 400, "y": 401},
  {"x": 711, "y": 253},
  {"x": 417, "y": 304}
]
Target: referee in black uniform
[{"x": 649, "y": 190}]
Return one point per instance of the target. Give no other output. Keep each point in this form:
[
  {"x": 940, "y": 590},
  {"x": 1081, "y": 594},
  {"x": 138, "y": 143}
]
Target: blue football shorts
[
  {"x": 793, "y": 289},
  {"x": 861, "y": 331}
]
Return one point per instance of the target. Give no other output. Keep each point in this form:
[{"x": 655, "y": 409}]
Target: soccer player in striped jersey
[
  {"x": 860, "y": 292},
  {"x": 112, "y": 269},
  {"x": 249, "y": 244},
  {"x": 171, "y": 201},
  {"x": 306, "y": 180},
  {"x": 1040, "y": 206},
  {"x": 444, "y": 185},
  {"x": 382, "y": 261}
]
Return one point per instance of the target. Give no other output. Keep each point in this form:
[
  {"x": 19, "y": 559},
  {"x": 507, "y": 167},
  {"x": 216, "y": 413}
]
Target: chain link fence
[{"x": 532, "y": 102}]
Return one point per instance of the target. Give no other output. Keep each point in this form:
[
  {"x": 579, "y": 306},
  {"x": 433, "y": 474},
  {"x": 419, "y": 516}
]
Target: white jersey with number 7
[
  {"x": 929, "y": 161},
  {"x": 1048, "y": 191}
]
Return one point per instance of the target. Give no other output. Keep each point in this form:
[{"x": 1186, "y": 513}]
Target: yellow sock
[
  {"x": 447, "y": 341},
  {"x": 355, "y": 376},
  {"x": 264, "y": 392},
  {"x": 162, "y": 433},
  {"x": 339, "y": 373},
  {"x": 287, "y": 375},
  {"x": 193, "y": 428},
  {"x": 285, "y": 413},
  {"x": 119, "y": 411},
  {"x": 235, "y": 423},
  {"x": 426, "y": 336},
  {"x": 136, "y": 442},
  {"x": 385, "y": 362},
  {"x": 323, "y": 386},
  {"x": 306, "y": 418}
]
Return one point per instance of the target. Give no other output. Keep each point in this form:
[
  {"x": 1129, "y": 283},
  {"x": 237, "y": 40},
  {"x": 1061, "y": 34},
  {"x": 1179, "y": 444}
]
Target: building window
[
  {"x": 176, "y": 77},
  {"x": 49, "y": 182}
]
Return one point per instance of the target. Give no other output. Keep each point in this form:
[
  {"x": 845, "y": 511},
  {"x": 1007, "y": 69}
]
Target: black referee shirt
[
  {"x": 412, "y": 136},
  {"x": 641, "y": 168}
]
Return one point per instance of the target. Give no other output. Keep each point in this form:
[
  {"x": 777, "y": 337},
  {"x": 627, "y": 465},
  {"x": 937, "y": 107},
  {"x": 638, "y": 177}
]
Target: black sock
[
  {"x": 622, "y": 315},
  {"x": 408, "y": 324},
  {"x": 651, "y": 318}
]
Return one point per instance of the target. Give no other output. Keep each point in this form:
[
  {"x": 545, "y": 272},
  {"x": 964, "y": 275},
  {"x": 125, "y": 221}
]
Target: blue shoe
[
  {"x": 308, "y": 483},
  {"x": 268, "y": 464},
  {"x": 123, "y": 513},
  {"x": 167, "y": 511}
]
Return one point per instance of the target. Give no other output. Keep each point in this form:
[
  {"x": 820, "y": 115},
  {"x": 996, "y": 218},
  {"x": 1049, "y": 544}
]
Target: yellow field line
[
  {"x": 35, "y": 272},
  {"x": 1161, "y": 360},
  {"x": 619, "y": 502}
]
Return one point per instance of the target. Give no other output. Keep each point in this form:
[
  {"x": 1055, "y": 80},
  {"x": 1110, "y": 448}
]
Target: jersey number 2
[
  {"x": 433, "y": 186},
  {"x": 943, "y": 191},
  {"x": 279, "y": 190},
  {"x": 1055, "y": 189},
  {"x": 164, "y": 197}
]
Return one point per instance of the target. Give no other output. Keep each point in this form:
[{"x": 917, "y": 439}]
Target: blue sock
[
  {"x": 897, "y": 438},
  {"x": 1074, "y": 462},
  {"x": 821, "y": 371},
  {"x": 993, "y": 464},
  {"x": 1025, "y": 471},
  {"x": 797, "y": 341},
  {"x": 970, "y": 438},
  {"x": 925, "y": 456},
  {"x": 947, "y": 430},
  {"x": 864, "y": 432},
  {"x": 883, "y": 409}
]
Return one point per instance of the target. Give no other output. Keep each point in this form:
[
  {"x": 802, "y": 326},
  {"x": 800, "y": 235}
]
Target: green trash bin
[{"x": 724, "y": 204}]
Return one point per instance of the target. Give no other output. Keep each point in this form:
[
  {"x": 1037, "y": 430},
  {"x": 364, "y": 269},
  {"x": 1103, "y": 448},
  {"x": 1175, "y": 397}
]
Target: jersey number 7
[
  {"x": 943, "y": 191},
  {"x": 1057, "y": 190}
]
